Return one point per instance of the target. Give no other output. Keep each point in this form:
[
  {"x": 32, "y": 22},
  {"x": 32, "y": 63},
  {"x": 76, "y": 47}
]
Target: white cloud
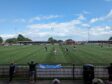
[
  {"x": 65, "y": 32},
  {"x": 6, "y": 36},
  {"x": 85, "y": 25},
  {"x": 30, "y": 20},
  {"x": 94, "y": 20},
  {"x": 76, "y": 29},
  {"x": 62, "y": 29},
  {"x": 107, "y": 17},
  {"x": 100, "y": 32},
  {"x": 85, "y": 12},
  {"x": 38, "y": 18},
  {"x": 56, "y": 25},
  {"x": 81, "y": 17},
  {"x": 19, "y": 20}
]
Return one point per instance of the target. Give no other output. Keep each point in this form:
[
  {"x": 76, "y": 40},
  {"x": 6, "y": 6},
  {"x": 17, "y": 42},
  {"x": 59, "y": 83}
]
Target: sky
[{"x": 38, "y": 20}]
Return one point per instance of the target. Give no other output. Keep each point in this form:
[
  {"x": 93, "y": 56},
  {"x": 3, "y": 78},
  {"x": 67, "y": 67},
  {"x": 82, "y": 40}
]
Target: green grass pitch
[{"x": 80, "y": 55}]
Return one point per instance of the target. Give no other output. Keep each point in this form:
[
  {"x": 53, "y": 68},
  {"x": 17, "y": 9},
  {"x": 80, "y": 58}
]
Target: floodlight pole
[
  {"x": 52, "y": 30},
  {"x": 111, "y": 31},
  {"x": 110, "y": 35},
  {"x": 88, "y": 34},
  {"x": 109, "y": 43}
]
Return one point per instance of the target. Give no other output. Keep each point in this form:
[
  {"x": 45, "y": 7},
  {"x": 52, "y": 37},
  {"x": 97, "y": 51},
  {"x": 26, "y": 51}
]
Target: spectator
[
  {"x": 11, "y": 71},
  {"x": 97, "y": 81},
  {"x": 56, "y": 81},
  {"x": 88, "y": 73},
  {"x": 32, "y": 70},
  {"x": 110, "y": 72}
]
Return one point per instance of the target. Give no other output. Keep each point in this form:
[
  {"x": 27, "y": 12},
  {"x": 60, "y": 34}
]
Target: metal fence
[{"x": 72, "y": 72}]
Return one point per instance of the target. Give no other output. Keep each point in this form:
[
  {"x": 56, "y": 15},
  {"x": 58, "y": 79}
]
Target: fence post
[
  {"x": 36, "y": 72},
  {"x": 73, "y": 72}
]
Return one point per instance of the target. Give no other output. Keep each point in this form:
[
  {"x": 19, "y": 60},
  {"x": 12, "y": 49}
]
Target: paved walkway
[{"x": 42, "y": 82}]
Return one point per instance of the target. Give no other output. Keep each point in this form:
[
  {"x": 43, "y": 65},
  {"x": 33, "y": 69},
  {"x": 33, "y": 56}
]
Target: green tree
[
  {"x": 20, "y": 38},
  {"x": 11, "y": 40},
  {"x": 50, "y": 39},
  {"x": 60, "y": 41},
  {"x": 55, "y": 41},
  {"x": 110, "y": 38},
  {"x": 1, "y": 39},
  {"x": 27, "y": 39}
]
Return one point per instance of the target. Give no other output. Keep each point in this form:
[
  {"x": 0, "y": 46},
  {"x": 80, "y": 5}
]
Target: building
[
  {"x": 33, "y": 42},
  {"x": 70, "y": 42}
]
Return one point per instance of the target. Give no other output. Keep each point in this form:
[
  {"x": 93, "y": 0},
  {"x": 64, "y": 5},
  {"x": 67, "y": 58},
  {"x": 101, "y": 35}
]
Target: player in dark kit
[
  {"x": 66, "y": 49},
  {"x": 45, "y": 48},
  {"x": 74, "y": 47}
]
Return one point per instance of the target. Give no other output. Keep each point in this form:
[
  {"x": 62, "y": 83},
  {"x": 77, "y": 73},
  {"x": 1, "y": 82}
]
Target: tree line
[
  {"x": 15, "y": 40},
  {"x": 20, "y": 37}
]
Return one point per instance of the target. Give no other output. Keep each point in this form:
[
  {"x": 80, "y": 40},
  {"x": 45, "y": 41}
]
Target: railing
[{"x": 72, "y": 72}]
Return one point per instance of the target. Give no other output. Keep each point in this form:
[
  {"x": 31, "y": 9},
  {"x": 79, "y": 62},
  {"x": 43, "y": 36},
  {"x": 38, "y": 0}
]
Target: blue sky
[{"x": 62, "y": 19}]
